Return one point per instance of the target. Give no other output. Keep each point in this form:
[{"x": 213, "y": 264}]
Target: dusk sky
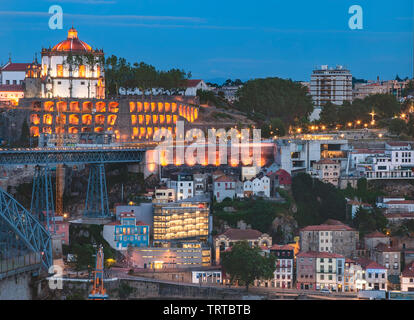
[{"x": 220, "y": 39}]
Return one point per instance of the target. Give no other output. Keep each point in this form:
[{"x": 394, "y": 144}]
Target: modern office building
[{"x": 187, "y": 219}]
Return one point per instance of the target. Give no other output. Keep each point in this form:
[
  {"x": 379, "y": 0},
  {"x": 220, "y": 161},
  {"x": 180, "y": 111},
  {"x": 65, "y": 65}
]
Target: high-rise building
[{"x": 330, "y": 85}]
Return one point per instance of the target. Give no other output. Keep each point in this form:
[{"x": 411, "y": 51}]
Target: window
[
  {"x": 59, "y": 69},
  {"x": 82, "y": 71}
]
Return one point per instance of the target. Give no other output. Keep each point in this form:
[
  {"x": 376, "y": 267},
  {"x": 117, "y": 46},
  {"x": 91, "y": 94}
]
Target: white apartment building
[
  {"x": 330, "y": 85},
  {"x": 397, "y": 162},
  {"x": 13, "y": 73},
  {"x": 183, "y": 184}
]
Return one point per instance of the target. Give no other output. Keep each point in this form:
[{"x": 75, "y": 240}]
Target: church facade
[{"x": 72, "y": 69}]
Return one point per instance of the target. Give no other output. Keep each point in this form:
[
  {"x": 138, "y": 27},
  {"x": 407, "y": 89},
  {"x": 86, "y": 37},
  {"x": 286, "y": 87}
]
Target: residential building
[
  {"x": 200, "y": 183},
  {"x": 306, "y": 270},
  {"x": 13, "y": 73},
  {"x": 330, "y": 85},
  {"x": 224, "y": 187},
  {"x": 375, "y": 274},
  {"x": 183, "y": 184},
  {"x": 333, "y": 236},
  {"x": 389, "y": 257},
  {"x": 192, "y": 85},
  {"x": 130, "y": 232},
  {"x": 261, "y": 186},
  {"x": 283, "y": 275},
  {"x": 373, "y": 239},
  {"x": 248, "y": 173},
  {"x": 231, "y": 236},
  {"x": 407, "y": 278},
  {"x": 327, "y": 171},
  {"x": 164, "y": 195},
  {"x": 329, "y": 271},
  {"x": 396, "y": 162}
]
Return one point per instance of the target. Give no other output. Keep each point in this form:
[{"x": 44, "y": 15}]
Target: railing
[{"x": 12, "y": 265}]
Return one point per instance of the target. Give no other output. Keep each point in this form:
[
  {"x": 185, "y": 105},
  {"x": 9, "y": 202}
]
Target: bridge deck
[{"x": 69, "y": 155}]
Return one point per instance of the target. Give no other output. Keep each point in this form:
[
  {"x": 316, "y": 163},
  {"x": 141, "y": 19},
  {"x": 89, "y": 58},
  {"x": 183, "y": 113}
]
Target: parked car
[{"x": 325, "y": 290}]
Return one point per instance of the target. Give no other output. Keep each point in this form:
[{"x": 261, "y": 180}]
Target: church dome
[{"x": 72, "y": 43}]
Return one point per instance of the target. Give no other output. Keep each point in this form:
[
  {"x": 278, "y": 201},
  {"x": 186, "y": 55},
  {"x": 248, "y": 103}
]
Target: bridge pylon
[
  {"x": 96, "y": 204},
  {"x": 42, "y": 205}
]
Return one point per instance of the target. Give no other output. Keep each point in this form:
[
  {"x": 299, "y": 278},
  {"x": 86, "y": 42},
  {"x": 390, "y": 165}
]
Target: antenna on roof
[{"x": 10, "y": 57}]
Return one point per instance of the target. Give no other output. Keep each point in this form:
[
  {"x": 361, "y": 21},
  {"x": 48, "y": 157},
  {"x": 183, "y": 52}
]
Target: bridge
[
  {"x": 25, "y": 236},
  {"x": 96, "y": 204},
  {"x": 69, "y": 156}
]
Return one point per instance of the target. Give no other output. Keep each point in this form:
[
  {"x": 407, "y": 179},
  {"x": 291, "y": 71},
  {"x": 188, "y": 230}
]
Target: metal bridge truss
[
  {"x": 70, "y": 156},
  {"x": 42, "y": 205},
  {"x": 96, "y": 204},
  {"x": 21, "y": 232}
]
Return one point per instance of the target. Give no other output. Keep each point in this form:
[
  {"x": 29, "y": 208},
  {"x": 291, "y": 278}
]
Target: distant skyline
[{"x": 224, "y": 39}]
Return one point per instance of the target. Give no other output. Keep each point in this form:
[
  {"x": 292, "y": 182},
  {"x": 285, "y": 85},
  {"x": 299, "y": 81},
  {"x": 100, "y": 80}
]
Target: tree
[
  {"x": 397, "y": 126},
  {"x": 246, "y": 264},
  {"x": 275, "y": 97},
  {"x": 316, "y": 201},
  {"x": 366, "y": 221},
  {"x": 329, "y": 114},
  {"x": 278, "y": 127}
]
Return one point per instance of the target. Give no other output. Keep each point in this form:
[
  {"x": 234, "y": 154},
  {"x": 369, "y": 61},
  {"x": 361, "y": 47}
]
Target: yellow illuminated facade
[{"x": 181, "y": 220}]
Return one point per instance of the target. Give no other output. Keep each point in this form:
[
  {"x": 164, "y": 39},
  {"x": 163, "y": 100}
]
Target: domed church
[{"x": 72, "y": 69}]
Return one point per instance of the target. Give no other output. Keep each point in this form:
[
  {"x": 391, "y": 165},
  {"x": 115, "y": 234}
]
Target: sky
[{"x": 220, "y": 39}]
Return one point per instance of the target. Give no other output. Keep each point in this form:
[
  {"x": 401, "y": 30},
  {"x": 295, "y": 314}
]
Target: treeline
[
  {"x": 120, "y": 73},
  {"x": 272, "y": 98},
  {"x": 385, "y": 106}
]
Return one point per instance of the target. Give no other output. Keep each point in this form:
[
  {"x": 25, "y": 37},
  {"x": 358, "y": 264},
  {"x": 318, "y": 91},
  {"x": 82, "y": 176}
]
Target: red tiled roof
[
  {"x": 239, "y": 234},
  {"x": 329, "y": 225},
  {"x": 400, "y": 202},
  {"x": 225, "y": 179},
  {"x": 192, "y": 83},
  {"x": 362, "y": 151},
  {"x": 384, "y": 248},
  {"x": 326, "y": 161},
  {"x": 16, "y": 67},
  {"x": 315, "y": 254},
  {"x": 11, "y": 87},
  {"x": 114, "y": 223},
  {"x": 376, "y": 234},
  {"x": 281, "y": 247},
  {"x": 409, "y": 270},
  {"x": 369, "y": 264}
]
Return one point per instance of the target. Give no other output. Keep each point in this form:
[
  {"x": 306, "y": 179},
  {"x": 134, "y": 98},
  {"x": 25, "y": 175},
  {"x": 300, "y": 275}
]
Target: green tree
[
  {"x": 246, "y": 264},
  {"x": 316, "y": 201},
  {"x": 397, "y": 126},
  {"x": 366, "y": 221},
  {"x": 329, "y": 114},
  {"x": 275, "y": 97}
]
